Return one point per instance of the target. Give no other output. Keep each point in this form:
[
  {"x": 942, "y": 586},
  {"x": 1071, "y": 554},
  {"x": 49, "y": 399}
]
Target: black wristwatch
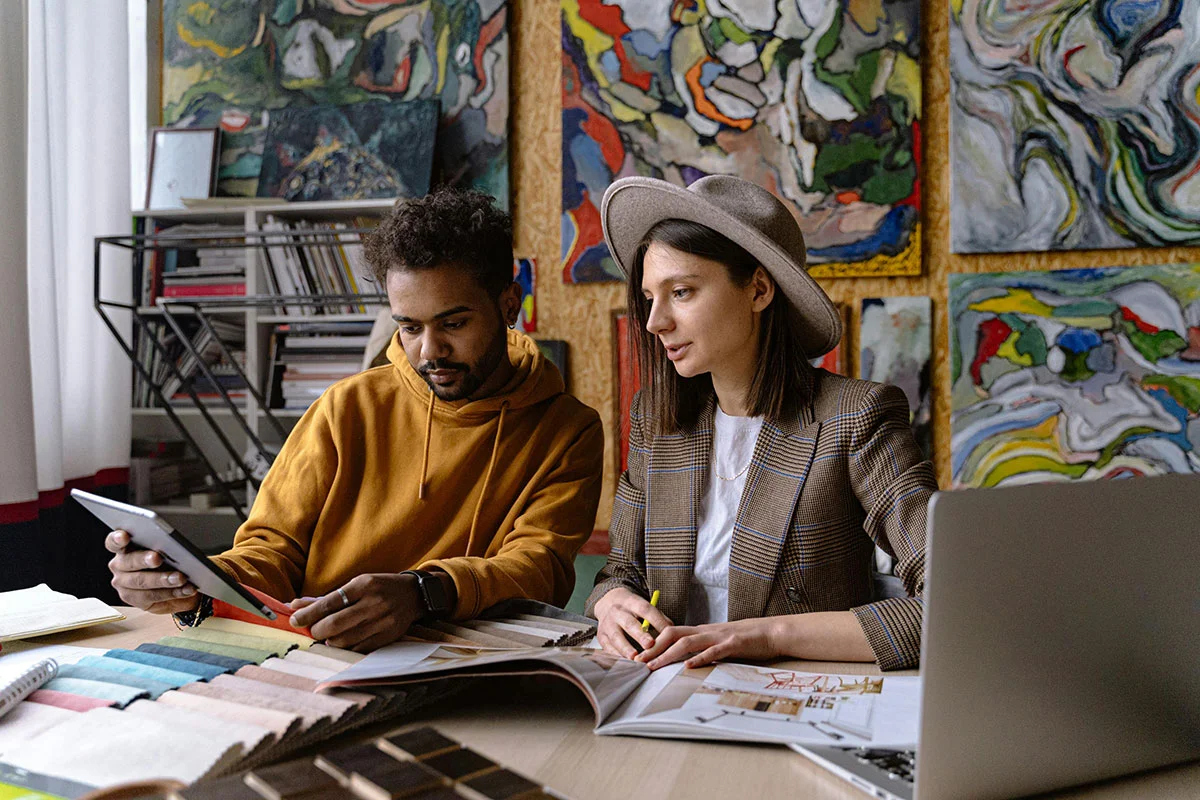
[{"x": 432, "y": 593}]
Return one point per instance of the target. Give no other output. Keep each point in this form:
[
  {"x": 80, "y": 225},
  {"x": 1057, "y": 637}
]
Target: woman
[{"x": 757, "y": 487}]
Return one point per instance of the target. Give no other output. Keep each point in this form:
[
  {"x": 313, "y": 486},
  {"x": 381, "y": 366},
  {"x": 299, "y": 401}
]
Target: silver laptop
[{"x": 1061, "y": 642}]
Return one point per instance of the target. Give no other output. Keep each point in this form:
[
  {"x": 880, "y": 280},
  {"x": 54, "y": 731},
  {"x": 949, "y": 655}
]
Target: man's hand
[
  {"x": 143, "y": 582},
  {"x": 755, "y": 639},
  {"x": 621, "y": 612},
  {"x": 377, "y": 609}
]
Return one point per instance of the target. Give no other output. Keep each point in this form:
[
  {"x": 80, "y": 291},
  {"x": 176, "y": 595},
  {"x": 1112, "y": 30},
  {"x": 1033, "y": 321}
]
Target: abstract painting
[
  {"x": 1074, "y": 125},
  {"x": 835, "y": 360},
  {"x": 555, "y": 351},
  {"x": 525, "y": 273},
  {"x": 819, "y": 102},
  {"x": 355, "y": 152},
  {"x": 1074, "y": 374},
  {"x": 895, "y": 346},
  {"x": 233, "y": 63}
]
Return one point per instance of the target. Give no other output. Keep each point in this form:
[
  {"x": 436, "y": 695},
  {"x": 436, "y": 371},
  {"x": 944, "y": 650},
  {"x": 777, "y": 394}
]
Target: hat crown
[{"x": 756, "y": 207}]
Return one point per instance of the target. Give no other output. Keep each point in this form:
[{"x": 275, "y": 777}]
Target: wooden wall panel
[{"x": 579, "y": 314}]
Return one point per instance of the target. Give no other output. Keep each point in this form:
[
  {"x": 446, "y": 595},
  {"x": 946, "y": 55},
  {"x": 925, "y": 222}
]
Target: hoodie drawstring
[
  {"x": 425, "y": 449},
  {"x": 487, "y": 476}
]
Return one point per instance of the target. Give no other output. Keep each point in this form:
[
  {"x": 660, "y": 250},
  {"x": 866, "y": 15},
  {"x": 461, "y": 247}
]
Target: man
[{"x": 462, "y": 459}]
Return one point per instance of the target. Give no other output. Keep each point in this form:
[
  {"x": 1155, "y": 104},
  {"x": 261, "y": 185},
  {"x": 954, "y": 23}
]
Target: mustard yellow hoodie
[{"x": 381, "y": 476}]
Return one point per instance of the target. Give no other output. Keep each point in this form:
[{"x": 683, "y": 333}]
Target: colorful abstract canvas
[
  {"x": 555, "y": 350},
  {"x": 1074, "y": 125},
  {"x": 525, "y": 273},
  {"x": 895, "y": 346},
  {"x": 819, "y": 102},
  {"x": 233, "y": 63},
  {"x": 361, "y": 151},
  {"x": 835, "y": 360},
  {"x": 1075, "y": 374}
]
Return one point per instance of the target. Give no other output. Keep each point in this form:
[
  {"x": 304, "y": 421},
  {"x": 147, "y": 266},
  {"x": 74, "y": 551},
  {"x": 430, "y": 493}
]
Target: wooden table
[{"x": 543, "y": 728}]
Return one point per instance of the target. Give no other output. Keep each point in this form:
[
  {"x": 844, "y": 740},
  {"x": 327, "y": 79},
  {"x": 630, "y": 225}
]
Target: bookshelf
[{"x": 238, "y": 424}]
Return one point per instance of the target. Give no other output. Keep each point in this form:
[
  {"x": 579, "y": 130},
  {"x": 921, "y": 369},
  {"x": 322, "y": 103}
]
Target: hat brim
[{"x": 633, "y": 206}]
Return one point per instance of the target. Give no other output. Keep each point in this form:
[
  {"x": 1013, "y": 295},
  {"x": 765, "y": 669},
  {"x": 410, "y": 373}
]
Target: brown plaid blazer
[{"x": 822, "y": 490}]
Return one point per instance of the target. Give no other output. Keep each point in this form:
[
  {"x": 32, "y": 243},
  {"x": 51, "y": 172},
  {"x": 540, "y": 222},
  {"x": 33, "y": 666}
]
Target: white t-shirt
[{"x": 733, "y": 447}]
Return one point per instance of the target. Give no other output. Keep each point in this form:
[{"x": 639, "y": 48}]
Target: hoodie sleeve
[
  {"x": 536, "y": 559},
  {"x": 270, "y": 550}
]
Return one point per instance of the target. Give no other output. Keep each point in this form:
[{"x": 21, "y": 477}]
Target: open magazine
[{"x": 732, "y": 702}]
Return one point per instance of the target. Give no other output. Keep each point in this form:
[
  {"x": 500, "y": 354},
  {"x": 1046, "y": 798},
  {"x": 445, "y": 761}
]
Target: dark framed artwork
[
  {"x": 183, "y": 164},
  {"x": 555, "y": 350}
]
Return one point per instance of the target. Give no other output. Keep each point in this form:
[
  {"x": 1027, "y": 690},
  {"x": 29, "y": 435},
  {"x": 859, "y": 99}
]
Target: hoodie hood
[{"x": 535, "y": 380}]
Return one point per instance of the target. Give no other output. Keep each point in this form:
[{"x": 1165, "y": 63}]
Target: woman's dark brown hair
[{"x": 783, "y": 380}]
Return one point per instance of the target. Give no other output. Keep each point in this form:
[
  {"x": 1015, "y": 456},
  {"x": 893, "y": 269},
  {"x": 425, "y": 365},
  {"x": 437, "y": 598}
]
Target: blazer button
[{"x": 793, "y": 594}]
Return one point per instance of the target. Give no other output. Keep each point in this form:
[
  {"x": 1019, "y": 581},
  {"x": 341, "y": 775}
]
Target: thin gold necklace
[{"x": 737, "y": 475}]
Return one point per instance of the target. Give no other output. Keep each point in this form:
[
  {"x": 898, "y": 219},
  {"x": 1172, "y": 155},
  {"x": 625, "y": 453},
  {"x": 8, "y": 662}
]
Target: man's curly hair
[{"x": 458, "y": 227}]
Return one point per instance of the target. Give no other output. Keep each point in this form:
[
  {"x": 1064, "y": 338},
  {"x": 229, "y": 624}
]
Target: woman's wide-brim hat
[{"x": 745, "y": 213}]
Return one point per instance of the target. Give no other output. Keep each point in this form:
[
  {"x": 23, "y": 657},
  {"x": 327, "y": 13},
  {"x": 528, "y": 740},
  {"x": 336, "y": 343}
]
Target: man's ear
[{"x": 510, "y": 303}]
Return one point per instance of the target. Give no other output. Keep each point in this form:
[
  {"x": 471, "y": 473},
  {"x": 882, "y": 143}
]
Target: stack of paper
[{"x": 40, "y": 610}]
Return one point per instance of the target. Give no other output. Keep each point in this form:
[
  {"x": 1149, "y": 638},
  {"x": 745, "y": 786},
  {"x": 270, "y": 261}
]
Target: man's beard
[{"x": 472, "y": 376}]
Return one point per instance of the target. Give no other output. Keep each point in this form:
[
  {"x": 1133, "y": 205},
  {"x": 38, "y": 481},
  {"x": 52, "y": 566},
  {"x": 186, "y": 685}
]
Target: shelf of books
[{"x": 244, "y": 312}]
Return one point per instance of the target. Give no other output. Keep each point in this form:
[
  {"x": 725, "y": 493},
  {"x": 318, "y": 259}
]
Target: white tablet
[{"x": 152, "y": 532}]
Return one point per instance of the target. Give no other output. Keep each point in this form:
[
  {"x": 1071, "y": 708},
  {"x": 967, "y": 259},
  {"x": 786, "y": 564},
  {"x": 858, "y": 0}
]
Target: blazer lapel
[
  {"x": 782, "y": 457},
  {"x": 675, "y": 482}
]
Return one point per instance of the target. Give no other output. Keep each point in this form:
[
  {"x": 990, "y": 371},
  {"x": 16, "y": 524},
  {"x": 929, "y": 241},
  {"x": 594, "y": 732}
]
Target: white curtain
[{"x": 77, "y": 188}]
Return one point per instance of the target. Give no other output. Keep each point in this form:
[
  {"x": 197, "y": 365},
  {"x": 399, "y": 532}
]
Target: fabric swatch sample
[
  {"x": 308, "y": 716},
  {"x": 155, "y": 688},
  {"x": 501, "y": 784},
  {"x": 241, "y": 628},
  {"x": 28, "y": 719},
  {"x": 272, "y": 646},
  {"x": 349, "y": 656},
  {"x": 288, "y": 780},
  {"x": 387, "y": 778},
  {"x": 120, "y": 695},
  {"x": 250, "y": 736},
  {"x": 459, "y": 763},
  {"x": 296, "y": 668},
  {"x": 317, "y": 703},
  {"x": 316, "y": 660},
  {"x": 146, "y": 750},
  {"x": 232, "y": 664},
  {"x": 200, "y": 670},
  {"x": 417, "y": 743},
  {"x": 244, "y": 653},
  {"x": 169, "y": 676},
  {"x": 281, "y": 723},
  {"x": 68, "y": 701}
]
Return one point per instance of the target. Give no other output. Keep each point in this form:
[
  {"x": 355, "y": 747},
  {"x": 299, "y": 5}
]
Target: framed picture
[
  {"x": 183, "y": 163},
  {"x": 626, "y": 382}
]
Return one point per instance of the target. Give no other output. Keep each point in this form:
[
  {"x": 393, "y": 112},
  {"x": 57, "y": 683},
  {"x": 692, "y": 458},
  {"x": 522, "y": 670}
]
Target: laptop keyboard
[{"x": 899, "y": 765}]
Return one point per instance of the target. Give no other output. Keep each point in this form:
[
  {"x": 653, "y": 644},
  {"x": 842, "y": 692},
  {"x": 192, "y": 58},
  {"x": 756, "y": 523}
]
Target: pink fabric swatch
[
  {"x": 257, "y": 673},
  {"x": 71, "y": 702}
]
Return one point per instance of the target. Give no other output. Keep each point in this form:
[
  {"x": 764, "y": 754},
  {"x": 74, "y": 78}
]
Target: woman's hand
[
  {"x": 621, "y": 612},
  {"x": 755, "y": 639}
]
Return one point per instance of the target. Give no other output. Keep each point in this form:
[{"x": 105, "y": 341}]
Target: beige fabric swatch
[
  {"x": 237, "y": 626},
  {"x": 250, "y": 736},
  {"x": 281, "y": 723},
  {"x": 27, "y": 720},
  {"x": 316, "y": 660},
  {"x": 303, "y": 670},
  {"x": 360, "y": 699},
  {"x": 349, "y": 656},
  {"x": 237, "y": 640},
  {"x": 309, "y": 717},
  {"x": 107, "y": 746},
  {"x": 334, "y": 708}
]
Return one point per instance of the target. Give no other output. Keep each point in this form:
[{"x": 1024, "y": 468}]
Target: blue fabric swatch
[
  {"x": 91, "y": 673},
  {"x": 121, "y": 695},
  {"x": 204, "y": 672},
  {"x": 167, "y": 676}
]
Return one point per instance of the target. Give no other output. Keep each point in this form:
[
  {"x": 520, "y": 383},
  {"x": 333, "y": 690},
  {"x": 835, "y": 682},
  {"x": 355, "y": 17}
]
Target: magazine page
[
  {"x": 606, "y": 679},
  {"x": 772, "y": 704}
]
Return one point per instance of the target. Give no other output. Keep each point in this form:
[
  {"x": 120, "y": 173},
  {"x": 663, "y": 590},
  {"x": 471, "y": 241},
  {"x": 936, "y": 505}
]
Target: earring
[{"x": 512, "y": 326}]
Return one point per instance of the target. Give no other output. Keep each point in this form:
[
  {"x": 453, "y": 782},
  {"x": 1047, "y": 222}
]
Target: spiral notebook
[{"x": 26, "y": 683}]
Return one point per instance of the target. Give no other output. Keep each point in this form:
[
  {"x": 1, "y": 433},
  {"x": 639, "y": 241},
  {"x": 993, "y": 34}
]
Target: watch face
[{"x": 434, "y": 593}]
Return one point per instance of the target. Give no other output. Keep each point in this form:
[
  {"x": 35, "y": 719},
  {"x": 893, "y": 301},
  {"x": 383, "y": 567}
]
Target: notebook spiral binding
[{"x": 26, "y": 683}]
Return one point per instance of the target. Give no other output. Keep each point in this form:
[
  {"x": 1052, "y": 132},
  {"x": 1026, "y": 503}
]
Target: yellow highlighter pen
[{"x": 653, "y": 602}]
